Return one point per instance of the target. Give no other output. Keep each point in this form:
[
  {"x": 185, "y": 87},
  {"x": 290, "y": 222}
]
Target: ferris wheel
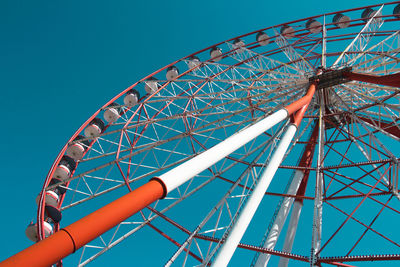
[{"x": 274, "y": 147}]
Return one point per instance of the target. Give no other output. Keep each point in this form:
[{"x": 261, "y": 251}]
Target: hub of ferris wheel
[
  {"x": 329, "y": 78},
  {"x": 326, "y": 80}
]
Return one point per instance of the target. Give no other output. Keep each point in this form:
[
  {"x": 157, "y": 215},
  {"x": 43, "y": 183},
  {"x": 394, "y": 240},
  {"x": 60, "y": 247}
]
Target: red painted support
[
  {"x": 385, "y": 126},
  {"x": 305, "y": 100},
  {"x": 306, "y": 161},
  {"x": 74, "y": 236},
  {"x": 389, "y": 80}
]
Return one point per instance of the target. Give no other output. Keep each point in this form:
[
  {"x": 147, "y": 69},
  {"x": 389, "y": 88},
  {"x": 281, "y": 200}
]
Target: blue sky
[{"x": 61, "y": 60}]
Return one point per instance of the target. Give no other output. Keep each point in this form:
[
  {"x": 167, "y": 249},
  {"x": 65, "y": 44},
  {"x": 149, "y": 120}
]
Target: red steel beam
[
  {"x": 391, "y": 257},
  {"x": 258, "y": 249},
  {"x": 305, "y": 161},
  {"x": 388, "y": 80},
  {"x": 385, "y": 126}
]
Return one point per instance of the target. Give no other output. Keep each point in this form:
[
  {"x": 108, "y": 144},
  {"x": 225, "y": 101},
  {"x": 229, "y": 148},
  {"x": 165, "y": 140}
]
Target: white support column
[
  {"x": 228, "y": 248},
  {"x": 319, "y": 187},
  {"x": 182, "y": 173},
  {"x": 279, "y": 222},
  {"x": 291, "y": 232}
]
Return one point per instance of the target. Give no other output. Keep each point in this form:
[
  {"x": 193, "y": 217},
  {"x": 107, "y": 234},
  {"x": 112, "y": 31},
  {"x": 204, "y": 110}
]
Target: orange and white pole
[
  {"x": 76, "y": 235},
  {"x": 228, "y": 248}
]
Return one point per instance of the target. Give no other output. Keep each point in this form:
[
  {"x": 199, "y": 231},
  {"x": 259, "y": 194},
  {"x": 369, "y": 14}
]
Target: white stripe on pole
[
  {"x": 291, "y": 232},
  {"x": 228, "y": 248},
  {"x": 279, "y": 222},
  {"x": 179, "y": 175}
]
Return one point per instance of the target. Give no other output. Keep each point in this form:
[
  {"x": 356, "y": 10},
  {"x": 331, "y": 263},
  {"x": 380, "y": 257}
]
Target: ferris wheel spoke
[
  {"x": 388, "y": 128},
  {"x": 363, "y": 123},
  {"x": 151, "y": 170},
  {"x": 261, "y": 63},
  {"x": 357, "y": 95},
  {"x": 217, "y": 207},
  {"x": 141, "y": 164},
  {"x": 392, "y": 157},
  {"x": 161, "y": 120},
  {"x": 383, "y": 64},
  {"x": 146, "y": 120},
  {"x": 178, "y": 200},
  {"x": 384, "y": 55},
  {"x": 361, "y": 41},
  {"x": 301, "y": 63}
]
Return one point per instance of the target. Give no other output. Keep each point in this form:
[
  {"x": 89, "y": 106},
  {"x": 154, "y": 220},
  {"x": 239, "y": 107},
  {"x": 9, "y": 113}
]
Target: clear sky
[{"x": 61, "y": 60}]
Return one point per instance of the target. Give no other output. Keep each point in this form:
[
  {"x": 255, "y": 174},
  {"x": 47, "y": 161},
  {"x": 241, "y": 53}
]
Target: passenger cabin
[
  {"x": 172, "y": 73},
  {"x": 95, "y": 128},
  {"x": 111, "y": 113},
  {"x": 216, "y": 54},
  {"x": 151, "y": 85},
  {"x": 50, "y": 198},
  {"x": 313, "y": 26},
  {"x": 262, "y": 38},
  {"x": 287, "y": 31},
  {"x": 193, "y": 62},
  {"x": 77, "y": 148},
  {"x": 131, "y": 98},
  {"x": 369, "y": 13},
  {"x": 31, "y": 231},
  {"x": 64, "y": 168},
  {"x": 341, "y": 21},
  {"x": 238, "y": 44}
]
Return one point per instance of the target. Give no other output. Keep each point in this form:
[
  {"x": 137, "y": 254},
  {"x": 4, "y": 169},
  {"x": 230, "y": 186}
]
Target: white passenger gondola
[
  {"x": 111, "y": 113},
  {"x": 341, "y": 21},
  {"x": 369, "y": 13},
  {"x": 172, "y": 73},
  {"x": 313, "y": 26},
  {"x": 287, "y": 31},
  {"x": 50, "y": 198},
  {"x": 31, "y": 231},
  {"x": 77, "y": 148},
  {"x": 95, "y": 128},
  {"x": 216, "y": 54},
  {"x": 65, "y": 168},
  {"x": 262, "y": 38},
  {"x": 131, "y": 98},
  {"x": 193, "y": 62},
  {"x": 151, "y": 85},
  {"x": 238, "y": 44}
]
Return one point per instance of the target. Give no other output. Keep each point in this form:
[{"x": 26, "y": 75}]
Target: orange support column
[
  {"x": 302, "y": 103},
  {"x": 76, "y": 235}
]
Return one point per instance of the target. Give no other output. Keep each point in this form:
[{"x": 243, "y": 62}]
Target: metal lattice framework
[{"x": 338, "y": 181}]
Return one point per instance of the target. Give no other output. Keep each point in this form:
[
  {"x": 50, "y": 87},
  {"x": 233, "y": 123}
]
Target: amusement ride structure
[{"x": 277, "y": 146}]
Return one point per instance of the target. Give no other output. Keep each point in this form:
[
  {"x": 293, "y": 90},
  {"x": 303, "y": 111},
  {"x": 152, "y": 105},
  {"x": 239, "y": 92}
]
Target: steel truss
[{"x": 221, "y": 129}]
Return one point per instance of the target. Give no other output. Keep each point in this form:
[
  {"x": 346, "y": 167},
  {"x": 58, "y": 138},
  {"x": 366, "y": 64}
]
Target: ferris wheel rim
[{"x": 56, "y": 162}]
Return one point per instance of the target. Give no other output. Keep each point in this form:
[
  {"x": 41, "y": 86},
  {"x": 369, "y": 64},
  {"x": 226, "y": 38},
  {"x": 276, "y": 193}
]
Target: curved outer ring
[{"x": 40, "y": 212}]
